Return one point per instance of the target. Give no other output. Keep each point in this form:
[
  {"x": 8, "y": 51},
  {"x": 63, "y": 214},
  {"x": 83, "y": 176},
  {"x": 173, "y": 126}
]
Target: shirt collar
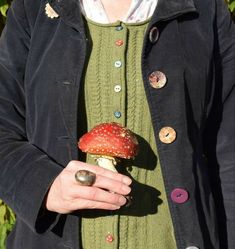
[
  {"x": 139, "y": 11},
  {"x": 70, "y": 11}
]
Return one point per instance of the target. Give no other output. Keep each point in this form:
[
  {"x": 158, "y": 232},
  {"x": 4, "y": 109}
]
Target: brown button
[
  {"x": 109, "y": 238},
  {"x": 167, "y": 135},
  {"x": 157, "y": 79},
  {"x": 119, "y": 42},
  {"x": 153, "y": 34}
]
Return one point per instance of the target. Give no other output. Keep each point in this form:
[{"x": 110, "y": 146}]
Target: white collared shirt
[{"x": 140, "y": 10}]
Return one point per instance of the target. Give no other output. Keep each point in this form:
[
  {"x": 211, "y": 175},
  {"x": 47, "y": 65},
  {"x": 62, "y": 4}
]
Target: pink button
[
  {"x": 179, "y": 195},
  {"x": 109, "y": 238}
]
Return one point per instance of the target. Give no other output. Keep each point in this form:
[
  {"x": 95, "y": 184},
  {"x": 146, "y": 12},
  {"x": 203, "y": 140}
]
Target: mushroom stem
[{"x": 106, "y": 162}]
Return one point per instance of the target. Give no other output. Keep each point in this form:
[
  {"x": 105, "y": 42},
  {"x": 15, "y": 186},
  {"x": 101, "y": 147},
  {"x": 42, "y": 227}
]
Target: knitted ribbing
[{"x": 147, "y": 223}]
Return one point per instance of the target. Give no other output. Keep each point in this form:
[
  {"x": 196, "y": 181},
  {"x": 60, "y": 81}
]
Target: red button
[
  {"x": 179, "y": 195},
  {"x": 119, "y": 42},
  {"x": 109, "y": 238}
]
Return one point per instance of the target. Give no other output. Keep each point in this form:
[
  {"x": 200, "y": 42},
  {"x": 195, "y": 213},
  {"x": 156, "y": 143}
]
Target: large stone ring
[{"x": 85, "y": 177}]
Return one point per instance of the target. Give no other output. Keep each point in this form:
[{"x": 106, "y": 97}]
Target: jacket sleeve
[
  {"x": 221, "y": 127},
  {"x": 26, "y": 172}
]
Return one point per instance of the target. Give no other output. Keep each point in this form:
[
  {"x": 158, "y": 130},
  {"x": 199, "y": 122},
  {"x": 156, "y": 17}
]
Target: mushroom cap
[{"x": 109, "y": 139}]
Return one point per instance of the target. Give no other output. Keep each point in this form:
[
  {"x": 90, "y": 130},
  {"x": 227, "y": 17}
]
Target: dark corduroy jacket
[{"x": 41, "y": 68}]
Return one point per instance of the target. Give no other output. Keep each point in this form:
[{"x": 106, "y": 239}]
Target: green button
[
  {"x": 117, "y": 114},
  {"x": 119, "y": 28}
]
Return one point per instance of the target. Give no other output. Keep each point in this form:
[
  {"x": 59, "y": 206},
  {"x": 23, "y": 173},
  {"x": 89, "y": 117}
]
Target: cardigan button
[
  {"x": 167, "y": 135},
  {"x": 109, "y": 238},
  {"x": 157, "y": 79},
  {"x": 117, "y": 88},
  {"x": 117, "y": 114},
  {"x": 119, "y": 42},
  {"x": 179, "y": 195},
  {"x": 117, "y": 64},
  {"x": 119, "y": 28},
  {"x": 153, "y": 34}
]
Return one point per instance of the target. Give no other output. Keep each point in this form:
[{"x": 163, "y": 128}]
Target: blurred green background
[{"x": 7, "y": 217}]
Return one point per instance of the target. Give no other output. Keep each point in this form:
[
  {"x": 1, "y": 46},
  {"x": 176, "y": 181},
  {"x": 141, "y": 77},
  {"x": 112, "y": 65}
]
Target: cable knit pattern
[{"x": 146, "y": 224}]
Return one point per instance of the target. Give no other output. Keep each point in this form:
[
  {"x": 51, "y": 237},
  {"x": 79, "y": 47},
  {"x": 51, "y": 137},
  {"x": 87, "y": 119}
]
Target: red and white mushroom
[{"x": 107, "y": 141}]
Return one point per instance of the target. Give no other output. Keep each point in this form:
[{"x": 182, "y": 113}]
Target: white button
[
  {"x": 192, "y": 247},
  {"x": 118, "y": 64},
  {"x": 117, "y": 88}
]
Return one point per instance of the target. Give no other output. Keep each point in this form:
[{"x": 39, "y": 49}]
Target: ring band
[{"x": 85, "y": 177}]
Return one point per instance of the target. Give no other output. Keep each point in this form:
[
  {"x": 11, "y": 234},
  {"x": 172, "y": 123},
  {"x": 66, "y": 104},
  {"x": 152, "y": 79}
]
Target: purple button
[{"x": 179, "y": 195}]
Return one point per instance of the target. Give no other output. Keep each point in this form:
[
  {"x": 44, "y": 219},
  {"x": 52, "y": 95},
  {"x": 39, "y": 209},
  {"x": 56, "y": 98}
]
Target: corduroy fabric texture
[{"x": 113, "y": 84}]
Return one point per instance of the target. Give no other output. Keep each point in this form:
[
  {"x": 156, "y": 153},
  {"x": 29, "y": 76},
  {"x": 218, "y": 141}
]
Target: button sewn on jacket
[
  {"x": 167, "y": 135},
  {"x": 153, "y": 34},
  {"x": 157, "y": 79},
  {"x": 179, "y": 195}
]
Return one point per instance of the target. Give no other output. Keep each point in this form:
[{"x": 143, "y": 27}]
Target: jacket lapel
[{"x": 69, "y": 11}]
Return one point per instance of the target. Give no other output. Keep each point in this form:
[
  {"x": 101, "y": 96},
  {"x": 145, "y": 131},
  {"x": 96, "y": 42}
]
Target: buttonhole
[
  {"x": 63, "y": 138},
  {"x": 66, "y": 83}
]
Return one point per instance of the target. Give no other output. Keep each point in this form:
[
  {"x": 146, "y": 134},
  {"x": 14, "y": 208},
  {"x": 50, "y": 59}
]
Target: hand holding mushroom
[{"x": 107, "y": 141}]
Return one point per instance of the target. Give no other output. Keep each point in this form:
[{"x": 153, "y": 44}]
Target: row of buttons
[
  {"x": 167, "y": 135},
  {"x": 118, "y": 64}
]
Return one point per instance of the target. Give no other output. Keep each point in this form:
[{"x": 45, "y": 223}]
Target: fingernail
[
  {"x": 126, "y": 189},
  {"x": 127, "y": 180},
  {"x": 122, "y": 200}
]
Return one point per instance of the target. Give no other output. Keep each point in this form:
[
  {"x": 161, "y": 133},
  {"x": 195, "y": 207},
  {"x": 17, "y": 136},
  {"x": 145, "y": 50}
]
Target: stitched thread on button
[
  {"x": 117, "y": 88},
  {"x": 118, "y": 64},
  {"x": 167, "y": 135},
  {"x": 157, "y": 79}
]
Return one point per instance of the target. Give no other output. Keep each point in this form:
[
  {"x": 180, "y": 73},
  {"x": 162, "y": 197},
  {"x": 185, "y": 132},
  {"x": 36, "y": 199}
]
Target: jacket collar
[
  {"x": 69, "y": 10},
  {"x": 170, "y": 9}
]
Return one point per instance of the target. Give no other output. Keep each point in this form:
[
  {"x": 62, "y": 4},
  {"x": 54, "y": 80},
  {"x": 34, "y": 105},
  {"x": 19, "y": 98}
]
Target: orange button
[
  {"x": 109, "y": 238},
  {"x": 119, "y": 42},
  {"x": 167, "y": 135}
]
